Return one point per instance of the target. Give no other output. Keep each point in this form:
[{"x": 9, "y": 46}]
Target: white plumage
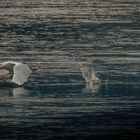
[{"x": 20, "y": 71}]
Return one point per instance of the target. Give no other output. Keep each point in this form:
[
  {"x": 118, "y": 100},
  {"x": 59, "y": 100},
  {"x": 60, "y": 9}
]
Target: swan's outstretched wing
[{"x": 21, "y": 73}]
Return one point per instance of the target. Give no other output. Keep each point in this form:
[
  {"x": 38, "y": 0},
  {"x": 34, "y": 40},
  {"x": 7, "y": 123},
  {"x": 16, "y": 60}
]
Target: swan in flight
[{"x": 20, "y": 71}]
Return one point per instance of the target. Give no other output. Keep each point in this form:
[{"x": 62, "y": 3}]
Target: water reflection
[
  {"x": 94, "y": 88},
  {"x": 5, "y": 92},
  {"x": 17, "y": 92},
  {"x": 20, "y": 91}
]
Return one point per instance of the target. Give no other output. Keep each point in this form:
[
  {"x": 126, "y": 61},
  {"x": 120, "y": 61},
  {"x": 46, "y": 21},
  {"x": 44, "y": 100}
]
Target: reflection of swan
[
  {"x": 20, "y": 72},
  {"x": 24, "y": 92},
  {"x": 20, "y": 91},
  {"x": 89, "y": 75}
]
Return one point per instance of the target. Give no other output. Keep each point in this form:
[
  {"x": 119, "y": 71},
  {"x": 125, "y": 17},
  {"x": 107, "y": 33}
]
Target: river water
[{"x": 54, "y": 37}]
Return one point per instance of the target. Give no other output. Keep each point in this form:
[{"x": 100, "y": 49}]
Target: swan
[{"x": 20, "y": 71}]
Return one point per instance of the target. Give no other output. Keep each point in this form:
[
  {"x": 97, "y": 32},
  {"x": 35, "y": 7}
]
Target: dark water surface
[{"x": 54, "y": 36}]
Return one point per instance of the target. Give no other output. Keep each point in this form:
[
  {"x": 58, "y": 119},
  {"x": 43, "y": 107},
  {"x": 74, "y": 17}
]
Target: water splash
[
  {"x": 89, "y": 75},
  {"x": 106, "y": 82}
]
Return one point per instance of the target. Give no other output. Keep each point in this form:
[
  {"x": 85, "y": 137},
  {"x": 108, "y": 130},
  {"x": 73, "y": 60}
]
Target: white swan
[{"x": 20, "y": 72}]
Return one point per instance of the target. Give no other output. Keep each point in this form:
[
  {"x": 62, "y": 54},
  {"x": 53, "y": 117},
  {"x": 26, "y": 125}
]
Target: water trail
[{"x": 88, "y": 72}]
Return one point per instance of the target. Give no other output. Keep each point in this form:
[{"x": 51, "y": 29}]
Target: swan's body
[{"x": 20, "y": 72}]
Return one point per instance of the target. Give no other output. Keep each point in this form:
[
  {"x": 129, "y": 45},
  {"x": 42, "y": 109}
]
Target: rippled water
[{"x": 54, "y": 37}]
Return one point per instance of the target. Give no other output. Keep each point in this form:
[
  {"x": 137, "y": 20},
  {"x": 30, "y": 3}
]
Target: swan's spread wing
[{"x": 21, "y": 73}]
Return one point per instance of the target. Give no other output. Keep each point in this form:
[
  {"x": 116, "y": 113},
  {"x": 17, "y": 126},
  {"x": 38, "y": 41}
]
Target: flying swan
[{"x": 20, "y": 71}]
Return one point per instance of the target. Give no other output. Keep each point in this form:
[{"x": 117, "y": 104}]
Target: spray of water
[
  {"x": 106, "y": 82},
  {"x": 89, "y": 75}
]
